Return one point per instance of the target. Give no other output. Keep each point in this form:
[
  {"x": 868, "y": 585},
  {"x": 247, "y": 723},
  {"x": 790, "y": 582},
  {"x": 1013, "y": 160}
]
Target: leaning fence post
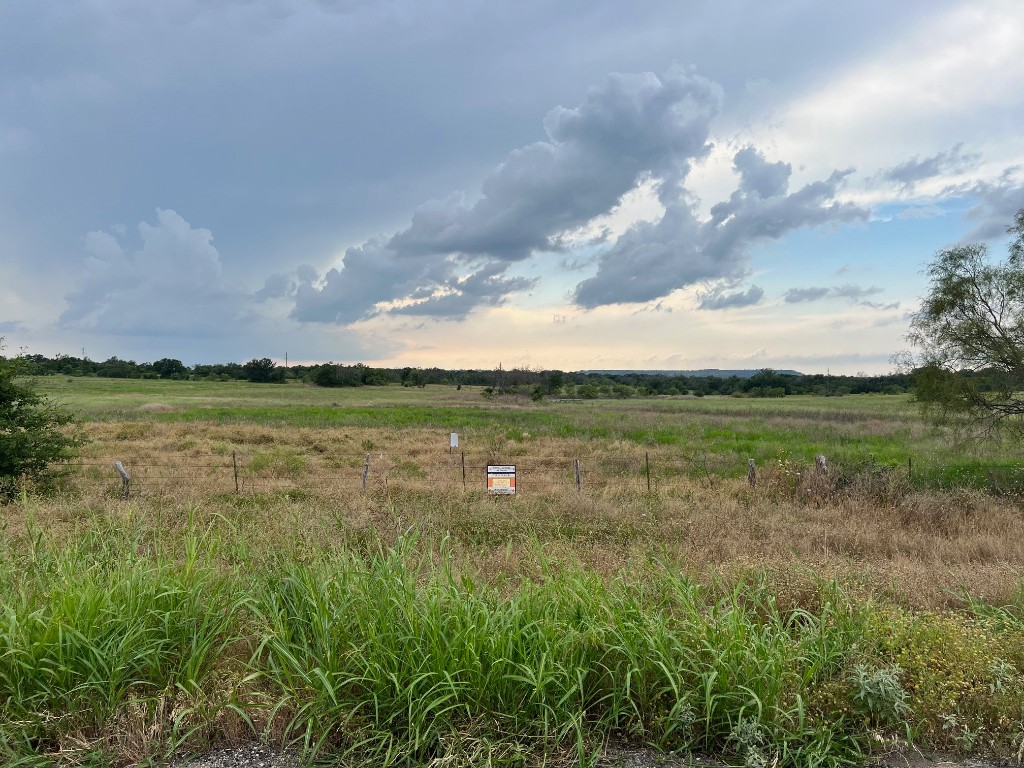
[
  {"x": 576, "y": 467},
  {"x": 366, "y": 470},
  {"x": 234, "y": 464},
  {"x": 751, "y": 473},
  {"x": 647, "y": 464},
  {"x": 126, "y": 479}
]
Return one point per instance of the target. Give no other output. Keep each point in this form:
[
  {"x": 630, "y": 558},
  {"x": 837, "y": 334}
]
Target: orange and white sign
[{"x": 501, "y": 478}]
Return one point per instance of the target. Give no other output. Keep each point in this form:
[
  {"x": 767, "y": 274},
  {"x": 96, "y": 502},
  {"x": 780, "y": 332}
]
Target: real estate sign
[{"x": 501, "y": 478}]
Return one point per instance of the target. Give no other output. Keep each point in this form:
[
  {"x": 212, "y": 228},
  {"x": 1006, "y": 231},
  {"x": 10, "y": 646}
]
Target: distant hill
[{"x": 709, "y": 372}]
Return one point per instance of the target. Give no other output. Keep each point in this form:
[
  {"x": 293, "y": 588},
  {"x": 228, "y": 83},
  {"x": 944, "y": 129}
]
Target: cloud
[
  {"x": 998, "y": 202},
  {"x": 171, "y": 285},
  {"x": 284, "y": 285},
  {"x": 457, "y": 298},
  {"x": 653, "y": 259},
  {"x": 10, "y": 326},
  {"x": 733, "y": 300},
  {"x": 634, "y": 126},
  {"x": 855, "y": 293},
  {"x": 952, "y": 161},
  {"x": 798, "y": 295}
]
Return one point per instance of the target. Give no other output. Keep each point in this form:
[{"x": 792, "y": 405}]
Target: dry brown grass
[{"x": 301, "y": 494}]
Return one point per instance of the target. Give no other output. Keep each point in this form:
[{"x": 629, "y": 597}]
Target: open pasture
[
  {"x": 898, "y": 515},
  {"x": 806, "y": 620}
]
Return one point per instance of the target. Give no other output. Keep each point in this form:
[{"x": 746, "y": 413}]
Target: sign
[
  {"x": 453, "y": 442},
  {"x": 501, "y": 478}
]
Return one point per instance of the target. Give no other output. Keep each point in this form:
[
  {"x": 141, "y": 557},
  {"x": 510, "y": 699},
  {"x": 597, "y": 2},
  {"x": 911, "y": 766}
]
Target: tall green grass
[
  {"x": 97, "y": 644},
  {"x": 406, "y": 666},
  {"x": 113, "y": 652}
]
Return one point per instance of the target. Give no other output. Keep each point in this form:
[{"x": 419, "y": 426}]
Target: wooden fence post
[
  {"x": 126, "y": 479},
  {"x": 751, "y": 473},
  {"x": 366, "y": 470}
]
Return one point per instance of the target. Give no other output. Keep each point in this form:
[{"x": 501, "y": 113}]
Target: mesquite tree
[{"x": 970, "y": 332}]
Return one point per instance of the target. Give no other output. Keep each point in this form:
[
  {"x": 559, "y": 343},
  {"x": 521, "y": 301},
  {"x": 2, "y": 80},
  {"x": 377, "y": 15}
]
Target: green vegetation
[
  {"x": 970, "y": 330},
  {"x": 400, "y": 659},
  {"x": 524, "y": 382},
  {"x": 33, "y": 439}
]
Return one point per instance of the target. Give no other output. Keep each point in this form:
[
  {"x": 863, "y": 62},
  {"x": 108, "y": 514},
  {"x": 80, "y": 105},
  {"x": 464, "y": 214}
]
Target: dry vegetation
[
  {"x": 812, "y": 619},
  {"x": 300, "y": 490}
]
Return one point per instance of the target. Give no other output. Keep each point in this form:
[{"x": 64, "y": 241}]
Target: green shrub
[{"x": 34, "y": 439}]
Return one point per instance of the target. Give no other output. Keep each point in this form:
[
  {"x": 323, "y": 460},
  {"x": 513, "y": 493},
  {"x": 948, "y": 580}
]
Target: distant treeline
[{"x": 521, "y": 381}]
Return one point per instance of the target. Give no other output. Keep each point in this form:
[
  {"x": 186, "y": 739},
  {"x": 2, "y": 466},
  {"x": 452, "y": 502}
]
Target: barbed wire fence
[{"x": 241, "y": 473}]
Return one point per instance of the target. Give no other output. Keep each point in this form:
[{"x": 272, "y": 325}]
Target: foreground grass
[{"x": 119, "y": 649}]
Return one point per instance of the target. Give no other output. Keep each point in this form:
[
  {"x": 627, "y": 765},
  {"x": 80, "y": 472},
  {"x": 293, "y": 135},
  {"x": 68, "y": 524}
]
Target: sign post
[{"x": 501, "y": 479}]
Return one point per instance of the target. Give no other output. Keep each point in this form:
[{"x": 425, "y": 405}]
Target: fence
[{"x": 240, "y": 473}]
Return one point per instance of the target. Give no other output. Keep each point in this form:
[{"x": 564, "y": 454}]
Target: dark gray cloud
[
  {"x": 758, "y": 176},
  {"x": 953, "y": 160},
  {"x": 457, "y": 299},
  {"x": 452, "y": 255},
  {"x": 651, "y": 260},
  {"x": 731, "y": 300}
]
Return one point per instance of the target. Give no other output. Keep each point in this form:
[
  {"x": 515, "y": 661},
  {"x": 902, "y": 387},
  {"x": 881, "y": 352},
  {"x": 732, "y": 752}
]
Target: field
[{"x": 255, "y": 586}]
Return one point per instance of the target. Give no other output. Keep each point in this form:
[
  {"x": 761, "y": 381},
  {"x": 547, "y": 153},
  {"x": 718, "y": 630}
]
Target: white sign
[
  {"x": 501, "y": 478},
  {"x": 454, "y": 443}
]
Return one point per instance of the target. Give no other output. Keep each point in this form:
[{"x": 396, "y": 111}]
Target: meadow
[{"x": 808, "y": 619}]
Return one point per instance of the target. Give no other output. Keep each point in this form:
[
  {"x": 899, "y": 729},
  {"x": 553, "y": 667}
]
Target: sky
[{"x": 463, "y": 184}]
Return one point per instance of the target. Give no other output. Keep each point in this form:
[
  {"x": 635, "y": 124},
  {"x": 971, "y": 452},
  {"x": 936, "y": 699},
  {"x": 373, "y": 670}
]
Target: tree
[
  {"x": 168, "y": 367},
  {"x": 262, "y": 371},
  {"x": 33, "y": 438},
  {"x": 970, "y": 330}
]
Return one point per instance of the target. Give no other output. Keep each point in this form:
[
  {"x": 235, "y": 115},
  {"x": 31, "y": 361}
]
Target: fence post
[
  {"x": 751, "y": 473},
  {"x": 126, "y": 479},
  {"x": 463, "y": 470},
  {"x": 366, "y": 470},
  {"x": 576, "y": 467},
  {"x": 910, "y": 469},
  {"x": 234, "y": 464},
  {"x": 821, "y": 463},
  {"x": 647, "y": 464}
]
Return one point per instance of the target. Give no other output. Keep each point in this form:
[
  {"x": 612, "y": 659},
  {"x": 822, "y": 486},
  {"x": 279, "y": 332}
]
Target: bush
[{"x": 32, "y": 433}]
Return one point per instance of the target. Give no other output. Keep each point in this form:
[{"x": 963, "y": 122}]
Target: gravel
[{"x": 250, "y": 756}]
